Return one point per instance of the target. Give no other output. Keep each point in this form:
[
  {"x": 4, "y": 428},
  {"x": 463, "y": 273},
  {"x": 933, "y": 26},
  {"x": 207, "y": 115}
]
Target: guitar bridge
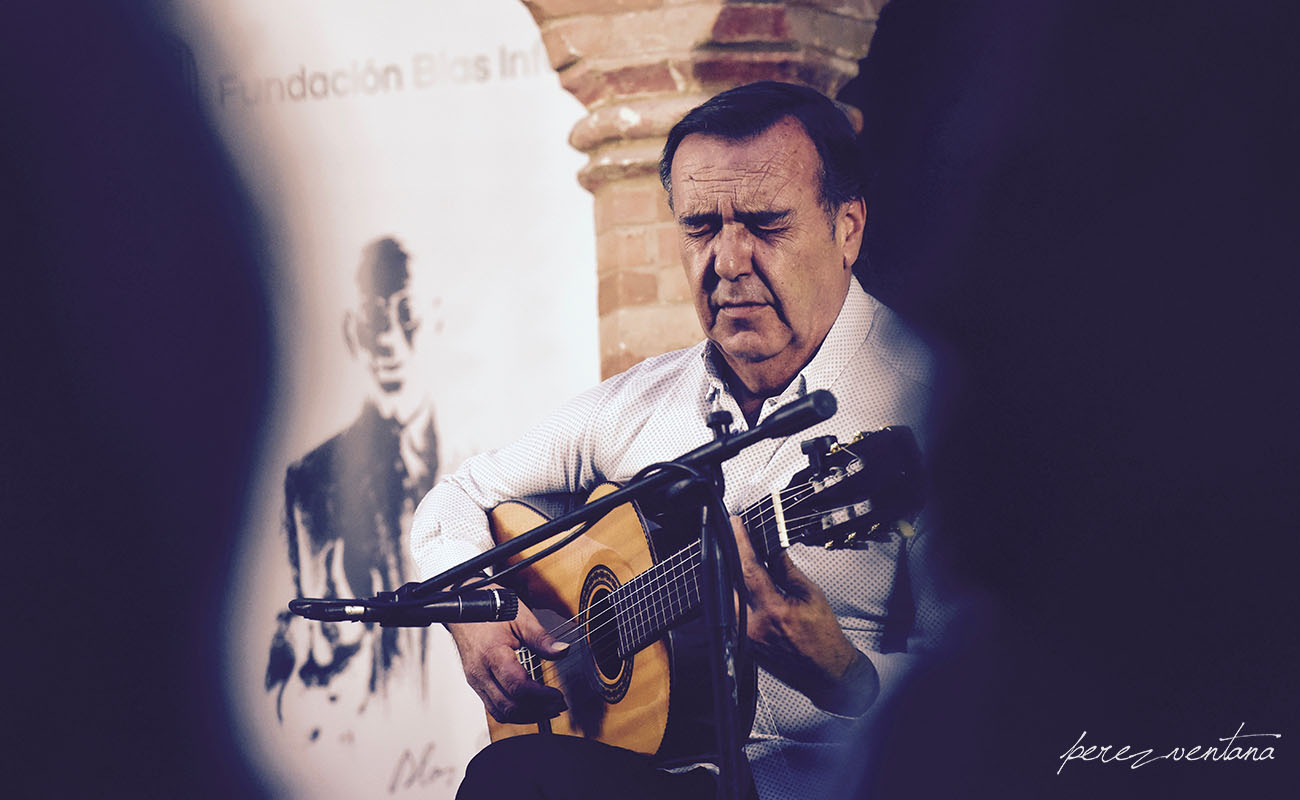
[{"x": 531, "y": 663}]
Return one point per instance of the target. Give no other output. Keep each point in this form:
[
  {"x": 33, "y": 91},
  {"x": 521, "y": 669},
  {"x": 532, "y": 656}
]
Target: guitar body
[
  {"x": 657, "y": 701},
  {"x": 623, "y": 702}
]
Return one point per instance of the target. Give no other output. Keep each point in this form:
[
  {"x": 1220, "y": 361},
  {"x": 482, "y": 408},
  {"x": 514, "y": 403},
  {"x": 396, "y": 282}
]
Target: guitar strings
[
  {"x": 651, "y": 585},
  {"x": 656, "y": 585},
  {"x": 645, "y": 583},
  {"x": 648, "y": 584},
  {"x": 624, "y": 589},
  {"x": 686, "y": 560},
  {"x": 797, "y": 495}
]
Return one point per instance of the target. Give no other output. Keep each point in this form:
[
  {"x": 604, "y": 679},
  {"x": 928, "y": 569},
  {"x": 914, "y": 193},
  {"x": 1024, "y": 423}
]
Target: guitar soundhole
[
  {"x": 613, "y": 673},
  {"x": 603, "y": 637}
]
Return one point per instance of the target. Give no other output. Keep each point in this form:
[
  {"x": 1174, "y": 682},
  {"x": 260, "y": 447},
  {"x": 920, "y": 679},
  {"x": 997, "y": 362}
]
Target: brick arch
[{"x": 638, "y": 66}]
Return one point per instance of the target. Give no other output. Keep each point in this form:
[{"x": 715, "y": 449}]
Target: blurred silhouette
[
  {"x": 136, "y": 358},
  {"x": 1091, "y": 209}
]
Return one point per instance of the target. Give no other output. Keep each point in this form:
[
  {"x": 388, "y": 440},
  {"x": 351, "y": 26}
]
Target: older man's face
[{"x": 768, "y": 266}]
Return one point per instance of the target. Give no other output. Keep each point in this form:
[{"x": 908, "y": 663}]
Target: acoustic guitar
[{"x": 635, "y": 676}]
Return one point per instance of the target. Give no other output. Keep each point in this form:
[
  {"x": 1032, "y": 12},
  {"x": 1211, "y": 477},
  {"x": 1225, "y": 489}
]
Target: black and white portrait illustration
[{"x": 348, "y": 505}]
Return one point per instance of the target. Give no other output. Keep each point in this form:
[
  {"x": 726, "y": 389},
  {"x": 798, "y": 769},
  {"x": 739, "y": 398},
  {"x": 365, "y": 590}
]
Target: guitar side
[{"x": 621, "y": 702}]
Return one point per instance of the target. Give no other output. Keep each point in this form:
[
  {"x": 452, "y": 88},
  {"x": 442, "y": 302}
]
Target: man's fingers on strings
[
  {"x": 528, "y": 702},
  {"x": 505, "y": 670},
  {"x": 522, "y": 699},
  {"x": 546, "y": 645},
  {"x": 537, "y": 638},
  {"x": 496, "y": 698},
  {"x": 791, "y": 580},
  {"x": 757, "y": 580}
]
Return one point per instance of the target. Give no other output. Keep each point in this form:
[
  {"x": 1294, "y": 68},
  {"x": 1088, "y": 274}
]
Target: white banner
[{"x": 432, "y": 274}]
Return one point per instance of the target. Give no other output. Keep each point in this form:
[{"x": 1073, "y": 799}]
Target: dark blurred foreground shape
[
  {"x": 136, "y": 366},
  {"x": 1092, "y": 207}
]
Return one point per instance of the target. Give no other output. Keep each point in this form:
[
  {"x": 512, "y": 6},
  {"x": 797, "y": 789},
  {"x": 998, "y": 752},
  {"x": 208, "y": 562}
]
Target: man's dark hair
[
  {"x": 749, "y": 110},
  {"x": 383, "y": 268}
]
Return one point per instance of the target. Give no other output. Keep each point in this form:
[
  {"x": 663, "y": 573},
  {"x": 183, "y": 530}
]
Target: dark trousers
[{"x": 555, "y": 767}]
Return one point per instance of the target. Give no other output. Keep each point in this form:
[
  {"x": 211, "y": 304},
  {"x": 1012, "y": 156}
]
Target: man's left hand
[{"x": 796, "y": 636}]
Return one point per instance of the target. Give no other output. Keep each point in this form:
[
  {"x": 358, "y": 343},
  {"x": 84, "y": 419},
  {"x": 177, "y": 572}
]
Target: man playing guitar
[{"x": 764, "y": 184}]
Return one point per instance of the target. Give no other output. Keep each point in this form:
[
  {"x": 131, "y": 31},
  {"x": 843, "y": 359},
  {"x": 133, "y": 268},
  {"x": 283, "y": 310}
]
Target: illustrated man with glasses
[{"x": 347, "y": 505}]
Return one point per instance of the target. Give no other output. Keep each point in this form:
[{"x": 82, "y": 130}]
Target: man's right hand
[{"x": 493, "y": 671}]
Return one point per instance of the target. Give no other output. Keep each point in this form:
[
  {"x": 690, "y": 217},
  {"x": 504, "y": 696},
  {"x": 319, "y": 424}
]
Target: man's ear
[
  {"x": 350, "y": 333},
  {"x": 850, "y": 224}
]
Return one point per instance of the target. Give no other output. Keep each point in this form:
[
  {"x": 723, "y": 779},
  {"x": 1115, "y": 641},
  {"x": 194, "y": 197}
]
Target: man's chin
[{"x": 747, "y": 347}]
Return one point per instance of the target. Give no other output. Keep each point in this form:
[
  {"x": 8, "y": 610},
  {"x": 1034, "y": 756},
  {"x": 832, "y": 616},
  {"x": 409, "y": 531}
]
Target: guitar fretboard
[{"x": 669, "y": 592}]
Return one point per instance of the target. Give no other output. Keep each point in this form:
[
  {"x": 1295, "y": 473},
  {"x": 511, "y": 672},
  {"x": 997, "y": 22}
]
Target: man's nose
[
  {"x": 388, "y": 334},
  {"x": 386, "y": 331},
  {"x": 734, "y": 256}
]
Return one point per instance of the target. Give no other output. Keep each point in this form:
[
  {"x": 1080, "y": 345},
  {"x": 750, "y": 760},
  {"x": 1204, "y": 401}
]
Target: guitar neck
[{"x": 668, "y": 593}]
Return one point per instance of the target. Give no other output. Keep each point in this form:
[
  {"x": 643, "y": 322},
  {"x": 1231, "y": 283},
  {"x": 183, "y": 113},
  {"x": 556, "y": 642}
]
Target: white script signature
[{"x": 1231, "y": 751}]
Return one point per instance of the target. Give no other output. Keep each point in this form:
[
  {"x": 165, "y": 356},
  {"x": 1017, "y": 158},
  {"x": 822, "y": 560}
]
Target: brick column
[{"x": 638, "y": 66}]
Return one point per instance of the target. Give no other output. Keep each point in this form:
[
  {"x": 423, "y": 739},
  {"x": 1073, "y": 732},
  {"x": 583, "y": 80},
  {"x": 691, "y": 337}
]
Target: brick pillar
[{"x": 638, "y": 66}]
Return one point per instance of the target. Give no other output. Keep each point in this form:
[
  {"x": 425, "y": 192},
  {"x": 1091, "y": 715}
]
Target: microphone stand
[{"x": 719, "y": 564}]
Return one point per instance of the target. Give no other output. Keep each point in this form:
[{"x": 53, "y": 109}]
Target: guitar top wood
[{"x": 617, "y": 700}]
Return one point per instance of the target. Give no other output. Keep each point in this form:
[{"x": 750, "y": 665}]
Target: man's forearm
[{"x": 851, "y": 692}]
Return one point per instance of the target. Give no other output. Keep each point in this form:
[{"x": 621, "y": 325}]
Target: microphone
[
  {"x": 802, "y": 414},
  {"x": 790, "y": 418},
  {"x": 482, "y": 605}
]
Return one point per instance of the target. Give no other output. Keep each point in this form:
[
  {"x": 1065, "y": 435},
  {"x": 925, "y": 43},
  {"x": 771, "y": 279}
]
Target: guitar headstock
[{"x": 859, "y": 490}]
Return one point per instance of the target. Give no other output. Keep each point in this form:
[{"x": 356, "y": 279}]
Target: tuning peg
[
  {"x": 837, "y": 447},
  {"x": 817, "y": 449}
]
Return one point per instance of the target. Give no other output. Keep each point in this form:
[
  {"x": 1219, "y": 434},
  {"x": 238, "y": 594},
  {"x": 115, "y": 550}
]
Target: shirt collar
[{"x": 842, "y": 342}]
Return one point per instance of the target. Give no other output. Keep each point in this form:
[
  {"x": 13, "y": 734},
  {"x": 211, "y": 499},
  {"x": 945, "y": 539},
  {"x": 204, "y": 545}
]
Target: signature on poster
[{"x": 411, "y": 772}]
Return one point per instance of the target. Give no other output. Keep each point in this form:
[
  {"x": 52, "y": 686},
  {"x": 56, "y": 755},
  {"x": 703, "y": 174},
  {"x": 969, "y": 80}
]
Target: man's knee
[
  {"x": 507, "y": 768},
  {"x": 552, "y": 766}
]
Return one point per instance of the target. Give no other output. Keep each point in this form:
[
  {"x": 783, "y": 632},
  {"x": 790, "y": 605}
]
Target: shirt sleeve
[
  {"x": 450, "y": 524},
  {"x": 936, "y": 603}
]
